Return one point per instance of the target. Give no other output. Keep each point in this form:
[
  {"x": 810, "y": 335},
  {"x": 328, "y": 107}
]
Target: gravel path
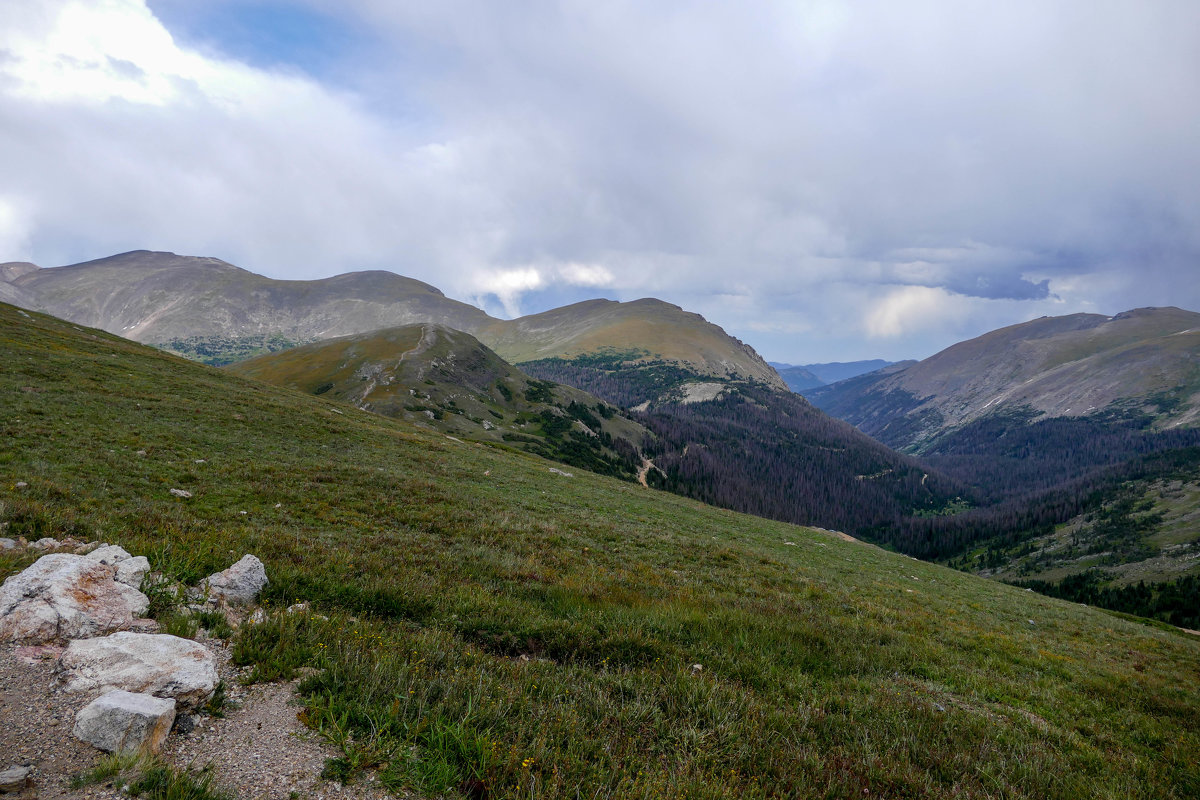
[
  {"x": 36, "y": 721},
  {"x": 259, "y": 749}
]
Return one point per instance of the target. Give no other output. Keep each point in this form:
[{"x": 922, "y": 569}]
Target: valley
[{"x": 1076, "y": 440}]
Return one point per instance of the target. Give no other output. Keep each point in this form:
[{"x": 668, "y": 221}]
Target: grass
[
  {"x": 482, "y": 627},
  {"x": 149, "y": 777}
]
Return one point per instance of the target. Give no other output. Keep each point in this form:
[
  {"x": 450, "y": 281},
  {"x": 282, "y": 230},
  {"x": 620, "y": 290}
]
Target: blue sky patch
[{"x": 262, "y": 33}]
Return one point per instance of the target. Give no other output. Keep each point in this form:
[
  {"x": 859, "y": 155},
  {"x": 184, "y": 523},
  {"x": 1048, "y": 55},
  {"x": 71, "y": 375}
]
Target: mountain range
[
  {"x": 207, "y": 308},
  {"x": 1037, "y": 443},
  {"x": 1142, "y": 361},
  {"x": 1076, "y": 438},
  {"x": 717, "y": 419}
]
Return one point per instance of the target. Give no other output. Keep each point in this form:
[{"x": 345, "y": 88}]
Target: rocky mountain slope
[
  {"x": 473, "y": 612},
  {"x": 165, "y": 299},
  {"x": 207, "y": 309},
  {"x": 1145, "y": 360},
  {"x": 1068, "y": 433},
  {"x": 448, "y": 381}
]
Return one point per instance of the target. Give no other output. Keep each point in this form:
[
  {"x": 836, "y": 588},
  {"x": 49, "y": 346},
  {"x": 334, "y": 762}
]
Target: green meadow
[{"x": 484, "y": 627}]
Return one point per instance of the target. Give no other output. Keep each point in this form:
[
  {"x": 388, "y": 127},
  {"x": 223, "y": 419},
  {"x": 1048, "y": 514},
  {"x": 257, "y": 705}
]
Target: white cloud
[
  {"x": 911, "y": 308},
  {"x": 593, "y": 275},
  {"x": 507, "y": 286},
  {"x": 810, "y": 159},
  {"x": 14, "y": 232}
]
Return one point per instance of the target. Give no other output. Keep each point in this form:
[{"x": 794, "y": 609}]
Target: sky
[{"x": 827, "y": 181}]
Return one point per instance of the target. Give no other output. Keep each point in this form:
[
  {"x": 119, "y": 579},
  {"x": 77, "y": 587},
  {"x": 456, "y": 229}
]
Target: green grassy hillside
[
  {"x": 498, "y": 630},
  {"x": 446, "y": 380}
]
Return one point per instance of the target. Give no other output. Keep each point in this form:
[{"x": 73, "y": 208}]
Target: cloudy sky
[{"x": 826, "y": 180}]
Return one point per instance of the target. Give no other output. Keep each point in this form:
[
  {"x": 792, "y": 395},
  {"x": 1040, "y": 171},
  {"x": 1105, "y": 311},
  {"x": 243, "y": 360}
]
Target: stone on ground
[
  {"x": 239, "y": 584},
  {"x": 16, "y": 779},
  {"x": 121, "y": 721},
  {"x": 65, "y": 596},
  {"x": 157, "y": 664}
]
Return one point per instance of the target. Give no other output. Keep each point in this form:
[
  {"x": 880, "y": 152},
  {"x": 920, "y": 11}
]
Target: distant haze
[{"x": 826, "y": 180}]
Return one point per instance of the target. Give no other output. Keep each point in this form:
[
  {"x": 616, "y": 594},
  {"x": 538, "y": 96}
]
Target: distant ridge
[
  {"x": 211, "y": 310},
  {"x": 642, "y": 330},
  {"x": 1070, "y": 366},
  {"x": 155, "y": 298},
  {"x": 801, "y": 378}
]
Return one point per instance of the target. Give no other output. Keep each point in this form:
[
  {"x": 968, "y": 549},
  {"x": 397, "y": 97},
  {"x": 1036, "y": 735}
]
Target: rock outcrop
[
  {"x": 66, "y": 596},
  {"x": 239, "y": 584},
  {"x": 157, "y": 664},
  {"x": 121, "y": 721}
]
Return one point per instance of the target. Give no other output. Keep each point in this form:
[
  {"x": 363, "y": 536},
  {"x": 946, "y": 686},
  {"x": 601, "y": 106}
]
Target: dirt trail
[{"x": 647, "y": 465}]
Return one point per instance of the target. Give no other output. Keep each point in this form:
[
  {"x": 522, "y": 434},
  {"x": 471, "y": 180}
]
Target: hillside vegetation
[
  {"x": 447, "y": 381},
  {"x": 1056, "y": 428},
  {"x": 749, "y": 447},
  {"x": 497, "y": 630}
]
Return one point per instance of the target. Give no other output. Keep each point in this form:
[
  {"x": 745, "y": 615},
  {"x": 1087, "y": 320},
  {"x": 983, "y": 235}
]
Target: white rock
[
  {"x": 157, "y": 664},
  {"x": 8, "y": 544},
  {"x": 125, "y": 721},
  {"x": 44, "y": 544},
  {"x": 239, "y": 584},
  {"x": 181, "y": 493},
  {"x": 109, "y": 554},
  {"x": 131, "y": 571},
  {"x": 65, "y": 596},
  {"x": 90, "y": 547}
]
